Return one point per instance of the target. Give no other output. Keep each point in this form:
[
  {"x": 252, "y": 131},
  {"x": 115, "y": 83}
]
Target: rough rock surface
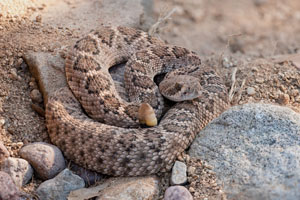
[
  {"x": 59, "y": 187},
  {"x": 48, "y": 71},
  {"x": 254, "y": 149},
  {"x": 46, "y": 159},
  {"x": 8, "y": 190},
  {"x": 130, "y": 188},
  {"x": 19, "y": 170}
]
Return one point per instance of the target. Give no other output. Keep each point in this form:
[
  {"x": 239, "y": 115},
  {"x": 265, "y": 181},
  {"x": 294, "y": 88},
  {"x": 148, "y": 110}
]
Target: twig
[
  {"x": 229, "y": 37},
  {"x": 233, "y": 80},
  {"x": 153, "y": 29},
  {"x": 239, "y": 93},
  {"x": 275, "y": 44}
]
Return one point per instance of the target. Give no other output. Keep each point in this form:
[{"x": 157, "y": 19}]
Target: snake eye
[{"x": 178, "y": 86}]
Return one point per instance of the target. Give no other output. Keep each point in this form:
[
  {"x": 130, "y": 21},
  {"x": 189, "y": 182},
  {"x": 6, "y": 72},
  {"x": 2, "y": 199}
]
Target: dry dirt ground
[{"x": 243, "y": 39}]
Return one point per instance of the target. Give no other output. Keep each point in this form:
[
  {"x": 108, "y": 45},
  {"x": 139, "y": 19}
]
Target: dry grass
[{"x": 161, "y": 20}]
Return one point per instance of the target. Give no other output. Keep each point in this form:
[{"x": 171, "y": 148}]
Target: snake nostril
[{"x": 178, "y": 86}]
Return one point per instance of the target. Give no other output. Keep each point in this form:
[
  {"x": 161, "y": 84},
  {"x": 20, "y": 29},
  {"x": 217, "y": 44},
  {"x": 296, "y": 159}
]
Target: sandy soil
[{"x": 241, "y": 38}]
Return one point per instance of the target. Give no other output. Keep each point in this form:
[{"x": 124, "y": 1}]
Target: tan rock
[
  {"x": 131, "y": 189},
  {"x": 47, "y": 70}
]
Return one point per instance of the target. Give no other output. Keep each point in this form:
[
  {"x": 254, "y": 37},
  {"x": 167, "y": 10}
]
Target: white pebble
[{"x": 250, "y": 91}]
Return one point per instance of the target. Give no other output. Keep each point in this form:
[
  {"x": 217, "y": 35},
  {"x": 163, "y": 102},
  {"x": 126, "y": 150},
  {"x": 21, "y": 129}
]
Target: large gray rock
[
  {"x": 59, "y": 187},
  {"x": 255, "y": 151}
]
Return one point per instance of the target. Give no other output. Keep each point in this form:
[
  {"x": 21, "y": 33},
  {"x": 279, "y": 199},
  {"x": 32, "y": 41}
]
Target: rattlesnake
[{"x": 99, "y": 144}]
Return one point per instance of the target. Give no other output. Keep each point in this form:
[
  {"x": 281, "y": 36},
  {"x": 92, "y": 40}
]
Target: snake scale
[{"x": 97, "y": 129}]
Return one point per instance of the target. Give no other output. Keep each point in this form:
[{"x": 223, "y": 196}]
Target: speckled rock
[
  {"x": 8, "y": 190},
  {"x": 59, "y": 187},
  {"x": 254, "y": 150},
  {"x": 3, "y": 152},
  {"x": 178, "y": 176},
  {"x": 19, "y": 170},
  {"x": 46, "y": 159},
  {"x": 130, "y": 188},
  {"x": 177, "y": 193}
]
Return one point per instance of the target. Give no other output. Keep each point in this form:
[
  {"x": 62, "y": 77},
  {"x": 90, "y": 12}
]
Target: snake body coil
[{"x": 105, "y": 137}]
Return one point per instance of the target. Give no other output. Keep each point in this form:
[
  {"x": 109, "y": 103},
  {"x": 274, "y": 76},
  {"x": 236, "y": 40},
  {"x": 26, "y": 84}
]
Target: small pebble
[
  {"x": 13, "y": 74},
  {"x": 3, "y": 152},
  {"x": 187, "y": 158},
  {"x": 32, "y": 84},
  {"x": 38, "y": 18},
  {"x": 19, "y": 61},
  {"x": 9, "y": 53},
  {"x": 260, "y": 80},
  {"x": 178, "y": 176},
  {"x": 59, "y": 187},
  {"x": 284, "y": 99},
  {"x": 297, "y": 99},
  {"x": 191, "y": 170},
  {"x": 2, "y": 121},
  {"x": 295, "y": 92},
  {"x": 177, "y": 193},
  {"x": 46, "y": 159},
  {"x": 226, "y": 63},
  {"x": 1, "y": 107},
  {"x": 180, "y": 158},
  {"x": 19, "y": 170},
  {"x": 36, "y": 96},
  {"x": 250, "y": 91},
  {"x": 17, "y": 145},
  {"x": 191, "y": 189}
]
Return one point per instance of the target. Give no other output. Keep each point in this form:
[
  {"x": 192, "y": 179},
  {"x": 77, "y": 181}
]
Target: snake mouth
[{"x": 147, "y": 115}]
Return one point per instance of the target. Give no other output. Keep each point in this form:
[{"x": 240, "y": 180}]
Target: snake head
[
  {"x": 147, "y": 115},
  {"x": 180, "y": 88}
]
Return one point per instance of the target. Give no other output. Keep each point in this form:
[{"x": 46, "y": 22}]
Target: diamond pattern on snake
[{"x": 97, "y": 129}]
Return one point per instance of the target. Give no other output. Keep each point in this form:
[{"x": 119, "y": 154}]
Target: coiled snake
[{"x": 106, "y": 136}]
